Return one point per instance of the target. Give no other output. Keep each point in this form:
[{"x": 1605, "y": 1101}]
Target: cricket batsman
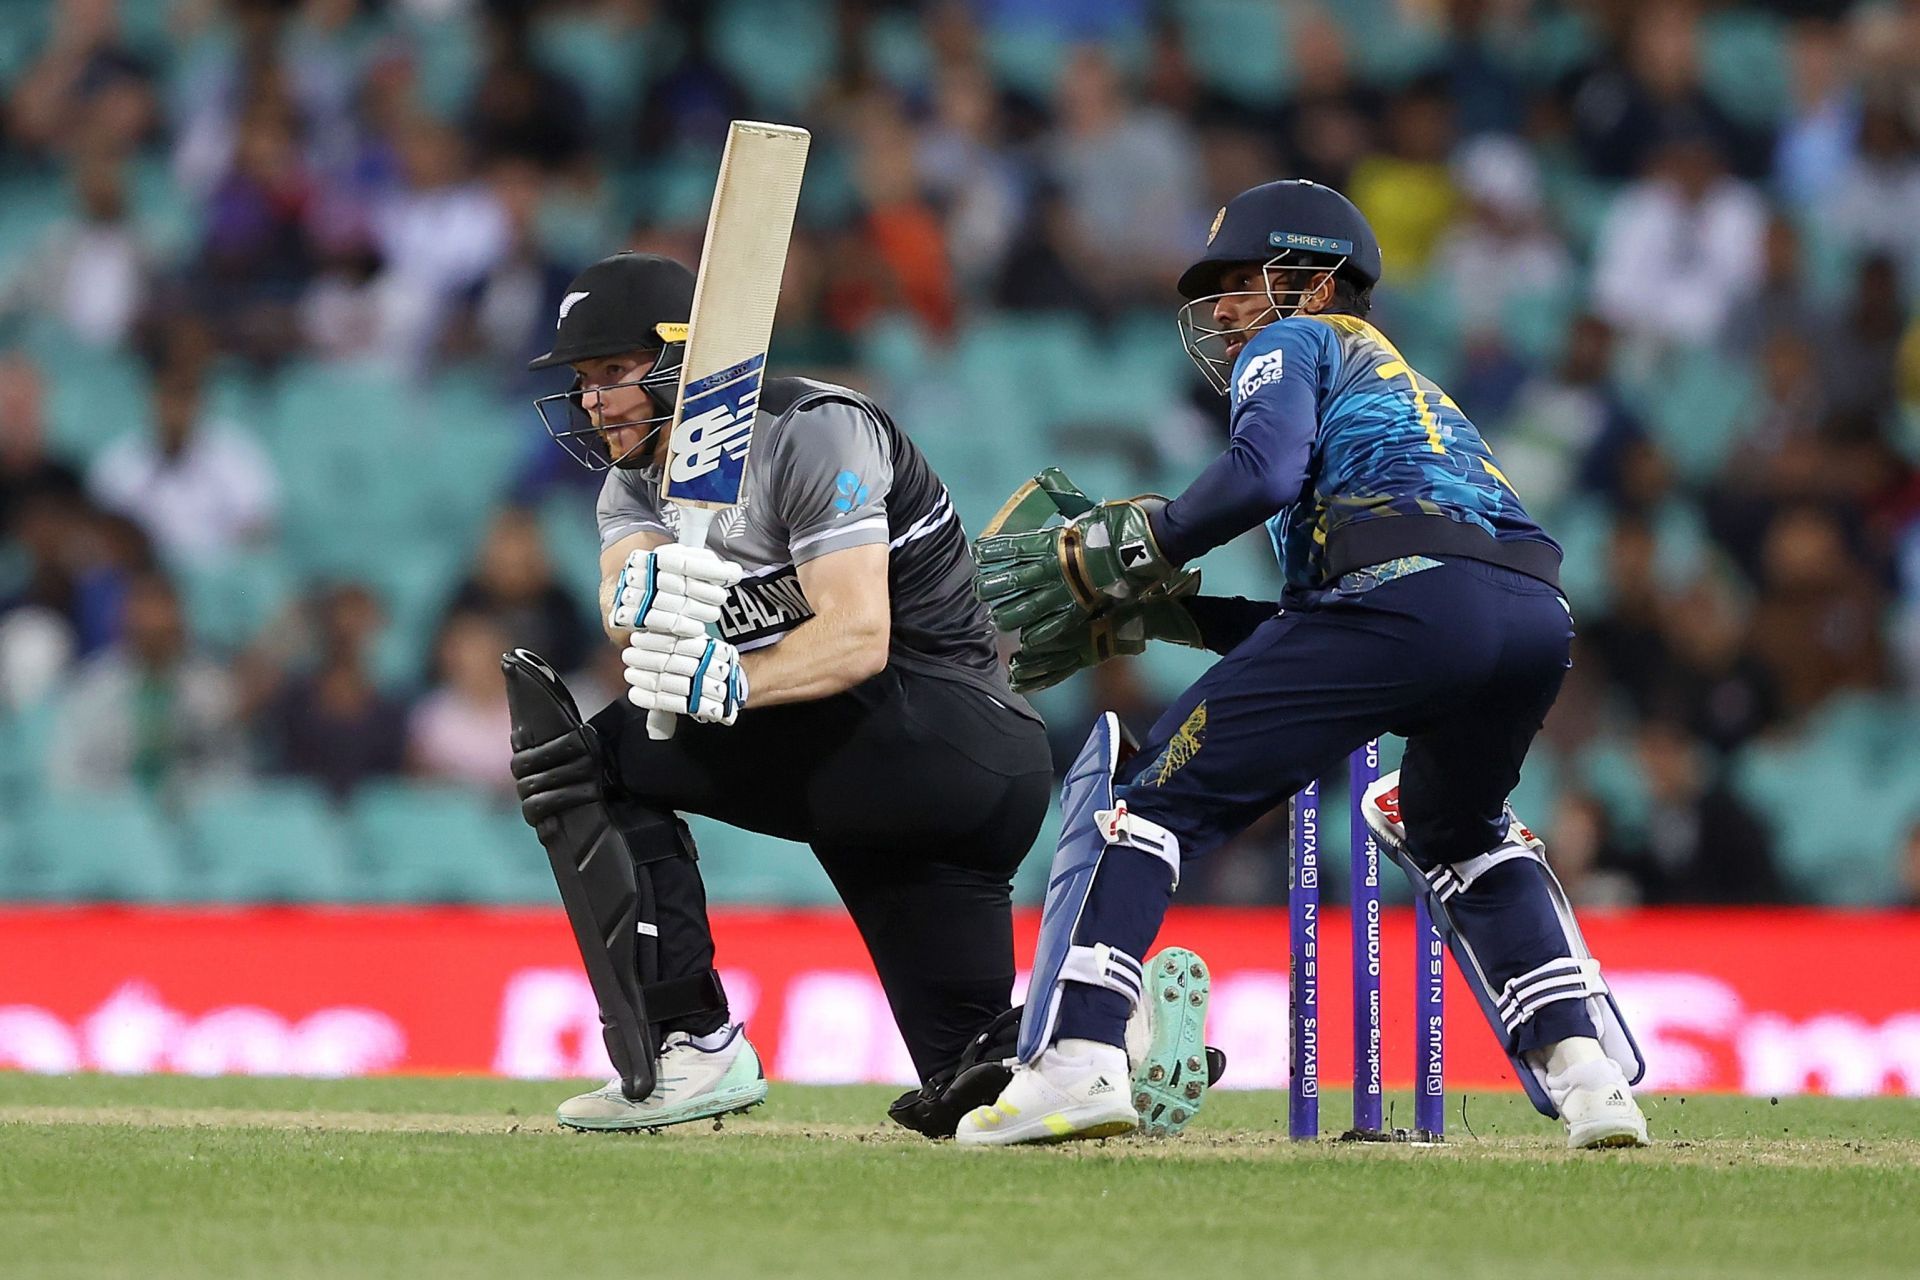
[
  {"x": 1420, "y": 599},
  {"x": 852, "y": 700}
]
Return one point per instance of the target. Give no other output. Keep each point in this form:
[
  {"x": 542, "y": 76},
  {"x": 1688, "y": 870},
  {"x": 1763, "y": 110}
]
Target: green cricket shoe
[
  {"x": 691, "y": 1083},
  {"x": 1167, "y": 1042}
]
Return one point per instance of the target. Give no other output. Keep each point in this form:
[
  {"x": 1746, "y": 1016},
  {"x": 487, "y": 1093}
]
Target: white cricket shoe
[
  {"x": 690, "y": 1083},
  {"x": 1597, "y": 1105},
  {"x": 1078, "y": 1089}
]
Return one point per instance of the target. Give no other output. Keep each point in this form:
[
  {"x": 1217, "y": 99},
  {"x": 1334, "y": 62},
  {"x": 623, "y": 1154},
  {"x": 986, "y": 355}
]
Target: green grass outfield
[{"x": 164, "y": 1177}]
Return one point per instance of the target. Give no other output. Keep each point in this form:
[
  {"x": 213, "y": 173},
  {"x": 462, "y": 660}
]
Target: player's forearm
[
  {"x": 819, "y": 658},
  {"x": 1263, "y": 470},
  {"x": 619, "y": 635},
  {"x": 1225, "y": 622}
]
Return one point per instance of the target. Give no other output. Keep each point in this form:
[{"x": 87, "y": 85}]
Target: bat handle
[{"x": 694, "y": 522}]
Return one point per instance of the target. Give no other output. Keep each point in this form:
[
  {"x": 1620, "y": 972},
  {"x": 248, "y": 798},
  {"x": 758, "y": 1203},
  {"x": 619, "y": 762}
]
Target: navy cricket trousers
[{"x": 1463, "y": 659}]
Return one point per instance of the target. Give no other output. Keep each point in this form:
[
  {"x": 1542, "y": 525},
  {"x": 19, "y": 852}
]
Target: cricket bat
[{"x": 734, "y": 296}]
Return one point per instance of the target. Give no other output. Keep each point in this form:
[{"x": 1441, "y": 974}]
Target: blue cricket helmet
[{"x": 1277, "y": 217}]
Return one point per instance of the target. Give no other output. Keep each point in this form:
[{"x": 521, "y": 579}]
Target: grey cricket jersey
[{"x": 830, "y": 471}]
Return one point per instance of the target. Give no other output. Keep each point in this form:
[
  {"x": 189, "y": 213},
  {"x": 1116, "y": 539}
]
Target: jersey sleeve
[
  {"x": 628, "y": 504},
  {"x": 830, "y": 473},
  {"x": 1276, "y": 397}
]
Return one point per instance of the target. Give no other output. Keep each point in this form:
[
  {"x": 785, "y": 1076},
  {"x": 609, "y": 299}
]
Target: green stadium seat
[
  {"x": 1704, "y": 398},
  {"x": 80, "y": 380},
  {"x": 421, "y": 843},
  {"x": 97, "y": 846},
  {"x": 1609, "y": 770},
  {"x": 267, "y": 842},
  {"x": 228, "y": 602},
  {"x": 1240, "y": 47},
  {"x": 898, "y": 51},
  {"x": 781, "y": 51},
  {"x": 1841, "y": 797},
  {"x": 607, "y": 63},
  {"x": 1744, "y": 65},
  {"x": 444, "y": 50},
  {"x": 741, "y": 867}
]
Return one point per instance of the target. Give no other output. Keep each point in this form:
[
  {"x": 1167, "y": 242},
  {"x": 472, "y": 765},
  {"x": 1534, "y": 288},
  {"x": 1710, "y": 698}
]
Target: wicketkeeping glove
[
  {"x": 697, "y": 676},
  {"x": 673, "y": 590},
  {"x": 1118, "y": 631},
  {"x": 1044, "y": 581}
]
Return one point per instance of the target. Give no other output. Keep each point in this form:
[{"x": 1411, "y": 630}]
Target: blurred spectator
[
  {"x": 78, "y": 564},
  {"x": 1586, "y": 856},
  {"x": 1407, "y": 189},
  {"x": 149, "y": 711},
  {"x": 202, "y": 488},
  {"x": 1910, "y": 870},
  {"x": 1816, "y": 144},
  {"x": 1781, "y": 298},
  {"x": 963, "y": 163},
  {"x": 1711, "y": 682},
  {"x": 520, "y": 111},
  {"x": 1570, "y": 429},
  {"x": 1701, "y": 844},
  {"x": 90, "y": 271},
  {"x": 27, "y": 468},
  {"x": 1628, "y": 639},
  {"x": 506, "y": 317},
  {"x": 333, "y": 723},
  {"x": 1328, "y": 122},
  {"x": 1502, "y": 250},
  {"x": 1647, "y": 87},
  {"x": 1482, "y": 73},
  {"x": 513, "y": 587},
  {"x": 458, "y": 732},
  {"x": 437, "y": 236},
  {"x": 1817, "y": 627},
  {"x": 257, "y": 256},
  {"x": 1680, "y": 249},
  {"x": 806, "y": 340},
  {"x": 1129, "y": 178},
  {"x": 1861, "y": 357},
  {"x": 1875, "y": 205},
  {"x": 86, "y": 84},
  {"x": 897, "y": 254}
]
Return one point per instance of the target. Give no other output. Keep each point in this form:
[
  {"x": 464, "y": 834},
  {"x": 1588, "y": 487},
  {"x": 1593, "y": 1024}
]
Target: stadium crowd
[{"x": 273, "y": 500}]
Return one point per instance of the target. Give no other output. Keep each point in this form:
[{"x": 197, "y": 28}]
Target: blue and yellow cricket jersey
[{"x": 1351, "y": 458}]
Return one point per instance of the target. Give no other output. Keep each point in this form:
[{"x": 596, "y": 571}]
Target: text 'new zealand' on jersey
[{"x": 1387, "y": 444}]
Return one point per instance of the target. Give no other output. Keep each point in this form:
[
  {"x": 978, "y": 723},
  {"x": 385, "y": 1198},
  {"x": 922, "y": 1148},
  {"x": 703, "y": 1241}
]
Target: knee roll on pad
[
  {"x": 1572, "y": 975},
  {"x": 1093, "y": 822}
]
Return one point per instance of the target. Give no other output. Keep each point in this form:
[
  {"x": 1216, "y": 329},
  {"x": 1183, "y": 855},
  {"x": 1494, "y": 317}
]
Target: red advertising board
[{"x": 1768, "y": 1002}]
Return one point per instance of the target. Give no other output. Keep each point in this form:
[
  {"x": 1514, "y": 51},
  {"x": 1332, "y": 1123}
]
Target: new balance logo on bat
[{"x": 709, "y": 446}]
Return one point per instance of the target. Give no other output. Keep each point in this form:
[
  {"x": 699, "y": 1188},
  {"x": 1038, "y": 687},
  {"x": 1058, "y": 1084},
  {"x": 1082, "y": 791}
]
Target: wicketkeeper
[
  {"x": 1421, "y": 600},
  {"x": 837, "y": 684}
]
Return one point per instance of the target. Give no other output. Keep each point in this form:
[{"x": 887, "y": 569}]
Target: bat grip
[{"x": 694, "y": 523}]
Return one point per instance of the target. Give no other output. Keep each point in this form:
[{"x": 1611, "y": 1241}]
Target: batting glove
[
  {"x": 696, "y": 676},
  {"x": 673, "y": 590}
]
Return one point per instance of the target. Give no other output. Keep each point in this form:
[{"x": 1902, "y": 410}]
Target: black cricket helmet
[
  {"x": 629, "y": 302},
  {"x": 1295, "y": 230}
]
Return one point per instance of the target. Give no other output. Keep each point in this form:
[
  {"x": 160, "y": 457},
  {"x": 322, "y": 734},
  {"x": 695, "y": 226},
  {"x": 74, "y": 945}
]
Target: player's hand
[
  {"x": 672, "y": 590},
  {"x": 1118, "y": 631},
  {"x": 1048, "y": 579},
  {"x": 698, "y": 676}
]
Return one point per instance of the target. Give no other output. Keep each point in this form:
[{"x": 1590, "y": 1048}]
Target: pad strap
[
  {"x": 1103, "y": 966},
  {"x": 1563, "y": 979},
  {"x": 1450, "y": 879},
  {"x": 1130, "y": 830}
]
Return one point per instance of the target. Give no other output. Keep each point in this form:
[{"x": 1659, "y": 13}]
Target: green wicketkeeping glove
[
  {"x": 1120, "y": 630},
  {"x": 1043, "y": 581}
]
